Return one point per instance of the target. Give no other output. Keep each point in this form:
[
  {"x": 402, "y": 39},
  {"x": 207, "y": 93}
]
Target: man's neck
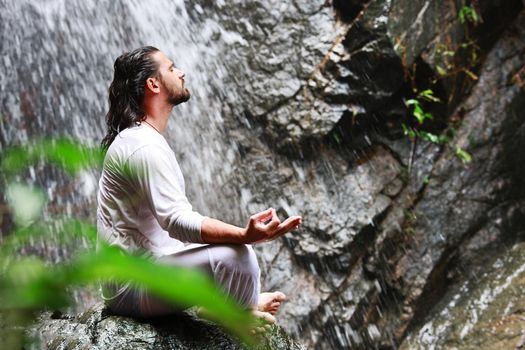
[{"x": 158, "y": 117}]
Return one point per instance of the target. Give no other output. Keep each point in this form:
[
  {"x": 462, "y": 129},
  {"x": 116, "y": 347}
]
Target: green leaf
[
  {"x": 430, "y": 137},
  {"x": 471, "y": 75},
  {"x": 30, "y": 284},
  {"x": 408, "y": 131},
  {"x": 428, "y": 95},
  {"x": 184, "y": 287},
  {"x": 461, "y": 15},
  {"x": 468, "y": 14},
  {"x": 441, "y": 71},
  {"x": 463, "y": 155},
  {"x": 474, "y": 16},
  {"x": 25, "y": 202},
  {"x": 64, "y": 153}
]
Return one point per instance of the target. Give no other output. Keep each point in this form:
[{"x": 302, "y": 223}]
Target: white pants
[{"x": 233, "y": 267}]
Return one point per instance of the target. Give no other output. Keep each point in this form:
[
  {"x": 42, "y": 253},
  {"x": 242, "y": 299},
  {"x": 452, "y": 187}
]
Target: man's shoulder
[{"x": 134, "y": 138}]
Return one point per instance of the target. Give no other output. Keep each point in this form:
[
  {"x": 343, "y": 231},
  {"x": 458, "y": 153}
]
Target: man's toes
[
  {"x": 280, "y": 296},
  {"x": 275, "y": 304},
  {"x": 265, "y": 317}
]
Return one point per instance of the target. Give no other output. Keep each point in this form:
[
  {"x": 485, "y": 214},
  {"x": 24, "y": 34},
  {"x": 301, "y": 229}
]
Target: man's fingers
[
  {"x": 261, "y": 216},
  {"x": 272, "y": 225},
  {"x": 289, "y": 224}
]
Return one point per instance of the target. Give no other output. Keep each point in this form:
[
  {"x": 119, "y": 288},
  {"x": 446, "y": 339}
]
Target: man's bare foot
[
  {"x": 264, "y": 322},
  {"x": 270, "y": 302}
]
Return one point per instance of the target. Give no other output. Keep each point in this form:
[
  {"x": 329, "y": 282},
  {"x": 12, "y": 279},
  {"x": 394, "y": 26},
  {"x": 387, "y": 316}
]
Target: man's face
[{"x": 172, "y": 80}]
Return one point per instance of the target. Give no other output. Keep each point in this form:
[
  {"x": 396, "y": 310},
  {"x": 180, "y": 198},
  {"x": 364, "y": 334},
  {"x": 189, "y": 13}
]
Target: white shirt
[{"x": 142, "y": 203}]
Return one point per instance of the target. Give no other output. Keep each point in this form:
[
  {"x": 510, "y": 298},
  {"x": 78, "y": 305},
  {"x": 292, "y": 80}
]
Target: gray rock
[
  {"x": 484, "y": 312},
  {"x": 454, "y": 216},
  {"x": 97, "y": 329},
  {"x": 312, "y": 96}
]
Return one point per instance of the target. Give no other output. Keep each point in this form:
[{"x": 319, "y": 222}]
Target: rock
[
  {"x": 378, "y": 243},
  {"x": 484, "y": 312},
  {"x": 454, "y": 217},
  {"x": 304, "y": 103},
  {"x": 97, "y": 329}
]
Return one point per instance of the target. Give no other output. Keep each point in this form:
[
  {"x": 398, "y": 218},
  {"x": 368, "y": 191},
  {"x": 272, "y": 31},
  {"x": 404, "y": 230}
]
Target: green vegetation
[
  {"x": 29, "y": 284},
  {"x": 421, "y": 116},
  {"x": 450, "y": 60},
  {"x": 468, "y": 14}
]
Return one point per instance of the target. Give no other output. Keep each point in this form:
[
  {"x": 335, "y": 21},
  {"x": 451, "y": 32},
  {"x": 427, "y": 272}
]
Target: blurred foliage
[
  {"x": 61, "y": 152},
  {"x": 29, "y": 285},
  {"x": 468, "y": 14}
]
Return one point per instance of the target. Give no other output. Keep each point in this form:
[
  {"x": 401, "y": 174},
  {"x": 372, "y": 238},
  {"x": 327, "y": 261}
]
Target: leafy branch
[
  {"x": 468, "y": 14},
  {"x": 29, "y": 284},
  {"x": 420, "y": 115}
]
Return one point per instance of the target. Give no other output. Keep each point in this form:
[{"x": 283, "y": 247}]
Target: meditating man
[{"x": 142, "y": 204}]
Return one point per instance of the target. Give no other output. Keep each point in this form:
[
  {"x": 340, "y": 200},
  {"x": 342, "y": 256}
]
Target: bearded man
[{"x": 142, "y": 205}]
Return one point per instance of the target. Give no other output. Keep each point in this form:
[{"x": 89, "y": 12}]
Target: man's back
[{"x": 142, "y": 195}]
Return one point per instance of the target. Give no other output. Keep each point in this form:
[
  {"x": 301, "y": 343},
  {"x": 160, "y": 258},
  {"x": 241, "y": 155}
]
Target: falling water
[
  {"x": 57, "y": 65},
  {"x": 57, "y": 59}
]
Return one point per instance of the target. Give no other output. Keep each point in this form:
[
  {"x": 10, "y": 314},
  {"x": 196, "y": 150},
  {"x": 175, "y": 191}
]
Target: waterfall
[{"x": 57, "y": 64}]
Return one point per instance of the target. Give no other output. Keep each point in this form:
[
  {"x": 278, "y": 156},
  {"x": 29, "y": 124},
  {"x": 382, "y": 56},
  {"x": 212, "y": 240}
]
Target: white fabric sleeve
[{"x": 160, "y": 181}]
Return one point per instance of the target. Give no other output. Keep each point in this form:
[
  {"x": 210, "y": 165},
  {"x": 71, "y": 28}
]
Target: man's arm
[{"x": 263, "y": 226}]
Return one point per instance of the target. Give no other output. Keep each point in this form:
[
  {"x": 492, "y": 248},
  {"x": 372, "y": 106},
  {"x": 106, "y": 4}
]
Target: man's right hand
[{"x": 266, "y": 226}]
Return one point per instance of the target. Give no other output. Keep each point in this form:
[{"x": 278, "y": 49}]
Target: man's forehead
[{"x": 163, "y": 59}]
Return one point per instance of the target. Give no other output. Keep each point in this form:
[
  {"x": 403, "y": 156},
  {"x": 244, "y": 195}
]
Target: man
[{"x": 142, "y": 204}]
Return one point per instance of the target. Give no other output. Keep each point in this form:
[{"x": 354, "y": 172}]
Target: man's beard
[{"x": 177, "y": 98}]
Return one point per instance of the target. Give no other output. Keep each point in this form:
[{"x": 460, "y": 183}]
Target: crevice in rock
[
  {"x": 437, "y": 282},
  {"x": 348, "y": 10},
  {"x": 496, "y": 16}
]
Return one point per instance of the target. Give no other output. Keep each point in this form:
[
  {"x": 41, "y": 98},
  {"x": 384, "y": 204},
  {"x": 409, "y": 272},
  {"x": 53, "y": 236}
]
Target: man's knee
[{"x": 237, "y": 256}]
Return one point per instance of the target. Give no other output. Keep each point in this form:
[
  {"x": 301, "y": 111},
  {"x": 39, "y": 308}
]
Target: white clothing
[
  {"x": 234, "y": 268},
  {"x": 142, "y": 203},
  {"x": 142, "y": 206}
]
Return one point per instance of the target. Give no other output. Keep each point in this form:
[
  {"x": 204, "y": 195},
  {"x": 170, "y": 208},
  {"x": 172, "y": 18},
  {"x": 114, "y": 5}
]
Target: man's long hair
[{"x": 126, "y": 92}]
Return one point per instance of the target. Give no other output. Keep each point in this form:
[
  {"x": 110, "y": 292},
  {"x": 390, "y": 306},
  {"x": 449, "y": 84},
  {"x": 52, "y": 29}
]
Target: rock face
[
  {"x": 389, "y": 225},
  {"x": 485, "y": 312},
  {"x": 402, "y": 244},
  {"x": 96, "y": 329}
]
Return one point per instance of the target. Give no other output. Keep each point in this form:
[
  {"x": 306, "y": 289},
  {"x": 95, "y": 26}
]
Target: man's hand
[{"x": 266, "y": 226}]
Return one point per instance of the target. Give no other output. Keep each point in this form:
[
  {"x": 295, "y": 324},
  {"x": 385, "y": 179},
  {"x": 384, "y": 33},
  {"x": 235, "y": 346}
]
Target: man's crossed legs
[{"x": 233, "y": 267}]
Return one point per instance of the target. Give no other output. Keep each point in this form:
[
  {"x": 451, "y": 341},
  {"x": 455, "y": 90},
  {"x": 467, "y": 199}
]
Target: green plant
[
  {"x": 463, "y": 155},
  {"x": 420, "y": 115},
  {"x": 29, "y": 284},
  {"x": 468, "y": 14}
]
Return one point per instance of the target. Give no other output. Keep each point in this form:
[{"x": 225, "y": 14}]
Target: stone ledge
[{"x": 97, "y": 329}]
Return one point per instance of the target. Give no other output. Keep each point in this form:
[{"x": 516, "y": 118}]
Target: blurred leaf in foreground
[
  {"x": 26, "y": 203},
  {"x": 64, "y": 153},
  {"x": 29, "y": 285}
]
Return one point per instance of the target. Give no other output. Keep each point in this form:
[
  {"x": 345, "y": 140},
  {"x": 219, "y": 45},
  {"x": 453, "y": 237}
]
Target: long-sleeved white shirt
[{"x": 142, "y": 203}]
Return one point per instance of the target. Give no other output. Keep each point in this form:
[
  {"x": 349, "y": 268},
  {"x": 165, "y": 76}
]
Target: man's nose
[{"x": 180, "y": 74}]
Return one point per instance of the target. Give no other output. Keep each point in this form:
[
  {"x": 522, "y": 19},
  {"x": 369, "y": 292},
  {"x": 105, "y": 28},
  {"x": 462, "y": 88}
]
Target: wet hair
[{"x": 126, "y": 92}]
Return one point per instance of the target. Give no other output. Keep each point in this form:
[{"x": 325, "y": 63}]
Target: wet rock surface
[
  {"x": 397, "y": 235},
  {"x": 97, "y": 329},
  {"x": 485, "y": 312},
  {"x": 387, "y": 226}
]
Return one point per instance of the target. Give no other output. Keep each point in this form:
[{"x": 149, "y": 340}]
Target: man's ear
[{"x": 153, "y": 85}]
